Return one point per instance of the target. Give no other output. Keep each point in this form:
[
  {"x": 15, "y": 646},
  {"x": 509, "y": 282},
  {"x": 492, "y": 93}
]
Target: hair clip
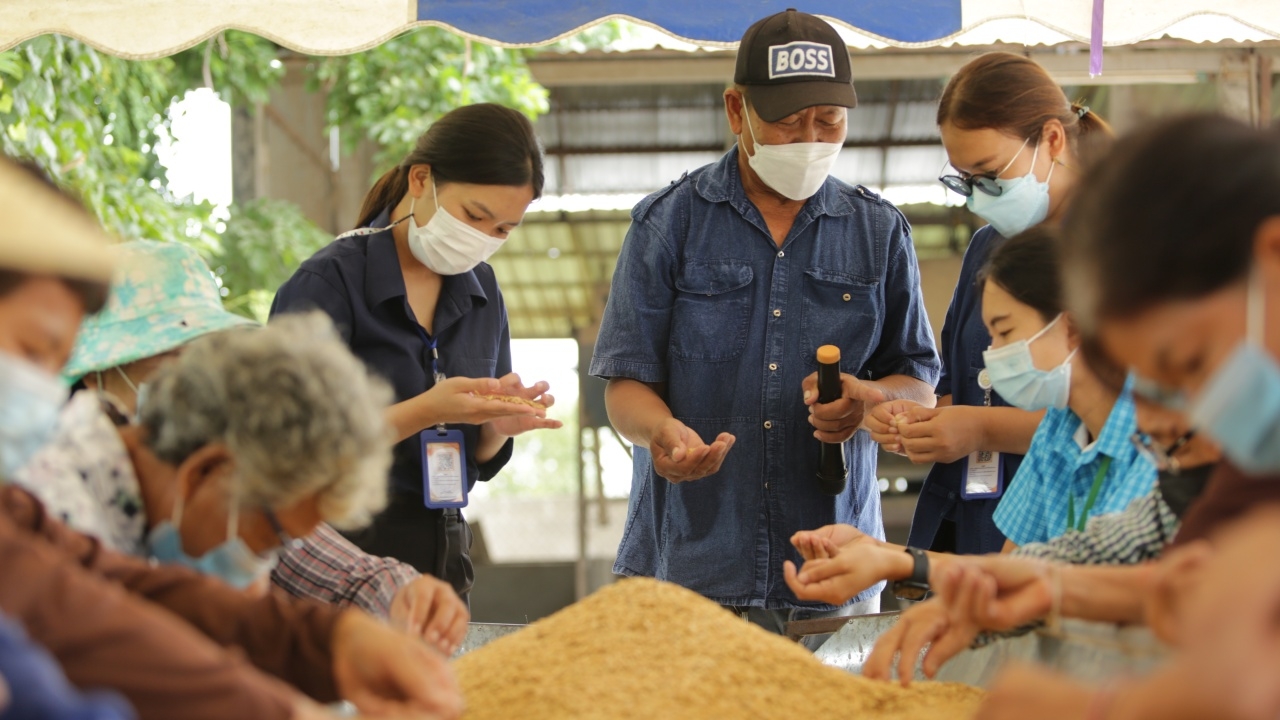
[{"x": 1084, "y": 110}]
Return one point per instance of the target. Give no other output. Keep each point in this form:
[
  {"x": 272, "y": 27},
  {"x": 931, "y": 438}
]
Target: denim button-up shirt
[{"x": 705, "y": 301}]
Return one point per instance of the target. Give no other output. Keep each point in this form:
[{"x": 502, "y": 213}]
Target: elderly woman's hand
[
  {"x": 430, "y": 609},
  {"x": 385, "y": 672}
]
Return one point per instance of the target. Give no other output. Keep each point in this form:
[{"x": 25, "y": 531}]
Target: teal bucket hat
[{"x": 163, "y": 296}]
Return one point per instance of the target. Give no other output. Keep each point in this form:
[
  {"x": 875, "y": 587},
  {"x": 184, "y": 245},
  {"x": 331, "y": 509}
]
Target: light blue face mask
[
  {"x": 30, "y": 400},
  {"x": 232, "y": 561},
  {"x": 1022, "y": 203},
  {"x": 1240, "y": 404},
  {"x": 1014, "y": 375}
]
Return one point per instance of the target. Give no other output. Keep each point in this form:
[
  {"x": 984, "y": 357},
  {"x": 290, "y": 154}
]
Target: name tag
[
  {"x": 444, "y": 468},
  {"x": 983, "y": 476},
  {"x": 801, "y": 58}
]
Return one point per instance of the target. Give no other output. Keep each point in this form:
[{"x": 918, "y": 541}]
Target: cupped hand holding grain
[
  {"x": 834, "y": 574},
  {"x": 513, "y": 393},
  {"x": 680, "y": 455}
]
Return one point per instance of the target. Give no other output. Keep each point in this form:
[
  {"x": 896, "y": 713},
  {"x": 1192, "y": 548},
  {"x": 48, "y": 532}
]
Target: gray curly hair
[{"x": 301, "y": 415}]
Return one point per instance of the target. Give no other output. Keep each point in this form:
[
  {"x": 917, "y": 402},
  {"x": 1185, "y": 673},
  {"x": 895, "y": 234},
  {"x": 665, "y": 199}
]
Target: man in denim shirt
[{"x": 728, "y": 282}]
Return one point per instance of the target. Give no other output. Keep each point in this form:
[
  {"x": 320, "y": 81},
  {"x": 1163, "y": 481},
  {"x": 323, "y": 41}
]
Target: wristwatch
[{"x": 916, "y": 587}]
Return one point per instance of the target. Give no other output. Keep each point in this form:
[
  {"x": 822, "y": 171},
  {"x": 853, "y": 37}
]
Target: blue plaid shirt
[{"x": 1034, "y": 509}]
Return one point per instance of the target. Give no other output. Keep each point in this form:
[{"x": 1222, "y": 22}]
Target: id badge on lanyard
[
  {"x": 983, "y": 472},
  {"x": 444, "y": 468},
  {"x": 444, "y": 453}
]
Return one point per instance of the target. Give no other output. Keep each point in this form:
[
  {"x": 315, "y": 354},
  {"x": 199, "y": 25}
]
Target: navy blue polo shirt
[
  {"x": 357, "y": 282},
  {"x": 964, "y": 339}
]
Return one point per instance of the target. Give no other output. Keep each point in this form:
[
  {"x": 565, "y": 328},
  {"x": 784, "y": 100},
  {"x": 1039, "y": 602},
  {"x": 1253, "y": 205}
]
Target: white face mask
[
  {"x": 447, "y": 245},
  {"x": 794, "y": 170}
]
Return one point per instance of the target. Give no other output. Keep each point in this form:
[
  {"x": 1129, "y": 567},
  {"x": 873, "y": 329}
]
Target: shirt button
[
  {"x": 781, "y": 254},
  {"x": 768, "y": 424},
  {"x": 773, "y": 366},
  {"x": 777, "y": 313},
  {"x": 847, "y": 297}
]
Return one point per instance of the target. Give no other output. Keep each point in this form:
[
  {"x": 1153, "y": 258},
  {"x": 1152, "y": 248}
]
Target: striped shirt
[{"x": 1059, "y": 468}]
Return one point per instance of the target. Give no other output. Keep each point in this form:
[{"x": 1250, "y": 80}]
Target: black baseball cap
[{"x": 791, "y": 61}]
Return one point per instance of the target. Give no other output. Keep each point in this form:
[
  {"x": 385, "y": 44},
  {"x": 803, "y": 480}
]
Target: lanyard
[
  {"x": 436, "y": 376},
  {"x": 1088, "y": 503}
]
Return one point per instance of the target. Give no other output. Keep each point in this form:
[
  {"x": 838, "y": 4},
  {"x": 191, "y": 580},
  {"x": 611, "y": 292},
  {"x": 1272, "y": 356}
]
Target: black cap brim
[{"x": 774, "y": 102}]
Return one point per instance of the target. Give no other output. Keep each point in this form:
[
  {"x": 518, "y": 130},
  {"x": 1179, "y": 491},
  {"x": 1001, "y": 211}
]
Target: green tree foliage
[
  {"x": 263, "y": 243},
  {"x": 392, "y": 93},
  {"x": 93, "y": 122}
]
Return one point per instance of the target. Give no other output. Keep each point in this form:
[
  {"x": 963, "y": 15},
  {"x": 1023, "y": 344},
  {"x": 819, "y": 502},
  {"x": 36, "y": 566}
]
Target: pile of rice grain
[{"x": 647, "y": 649}]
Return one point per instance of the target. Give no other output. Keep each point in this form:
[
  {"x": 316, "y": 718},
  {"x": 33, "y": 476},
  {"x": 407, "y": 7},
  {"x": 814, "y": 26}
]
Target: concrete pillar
[{"x": 1244, "y": 86}]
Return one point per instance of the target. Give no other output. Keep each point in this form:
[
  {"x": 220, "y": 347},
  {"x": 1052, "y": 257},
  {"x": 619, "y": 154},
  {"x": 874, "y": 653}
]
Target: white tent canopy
[{"x": 154, "y": 28}]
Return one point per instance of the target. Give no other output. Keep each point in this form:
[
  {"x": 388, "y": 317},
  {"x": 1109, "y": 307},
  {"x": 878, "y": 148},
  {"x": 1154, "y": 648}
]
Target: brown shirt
[
  {"x": 99, "y": 613},
  {"x": 1229, "y": 495}
]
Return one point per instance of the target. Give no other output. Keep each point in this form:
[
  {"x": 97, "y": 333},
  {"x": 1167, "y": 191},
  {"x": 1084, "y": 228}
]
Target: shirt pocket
[
  {"x": 840, "y": 310},
  {"x": 712, "y": 312},
  {"x": 472, "y": 367}
]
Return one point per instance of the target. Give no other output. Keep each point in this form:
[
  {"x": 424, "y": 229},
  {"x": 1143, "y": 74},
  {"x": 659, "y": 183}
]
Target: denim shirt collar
[
  {"x": 384, "y": 281},
  {"x": 722, "y": 182}
]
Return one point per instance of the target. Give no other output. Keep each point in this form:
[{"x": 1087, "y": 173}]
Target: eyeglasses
[
  {"x": 287, "y": 541},
  {"x": 964, "y": 183},
  {"x": 1162, "y": 458}
]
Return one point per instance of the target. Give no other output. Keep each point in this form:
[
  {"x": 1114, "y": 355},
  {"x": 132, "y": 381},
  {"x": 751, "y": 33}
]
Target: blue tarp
[{"x": 532, "y": 21}]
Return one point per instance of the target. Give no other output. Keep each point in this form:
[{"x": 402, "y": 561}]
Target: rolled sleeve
[
  {"x": 635, "y": 331},
  {"x": 906, "y": 342}
]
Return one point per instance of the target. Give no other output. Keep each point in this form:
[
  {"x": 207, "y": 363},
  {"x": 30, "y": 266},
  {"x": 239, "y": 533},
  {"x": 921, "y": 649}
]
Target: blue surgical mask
[
  {"x": 1240, "y": 404},
  {"x": 232, "y": 561},
  {"x": 1014, "y": 375},
  {"x": 30, "y": 400},
  {"x": 1022, "y": 203}
]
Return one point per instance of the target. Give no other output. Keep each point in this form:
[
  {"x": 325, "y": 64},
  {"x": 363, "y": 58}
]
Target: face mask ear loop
[
  {"x": 1014, "y": 159},
  {"x": 126, "y": 379},
  {"x": 746, "y": 119},
  {"x": 1255, "y": 310},
  {"x": 1045, "y": 329},
  {"x": 434, "y": 199}
]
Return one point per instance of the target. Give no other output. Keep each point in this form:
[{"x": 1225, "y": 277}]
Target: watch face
[{"x": 910, "y": 591}]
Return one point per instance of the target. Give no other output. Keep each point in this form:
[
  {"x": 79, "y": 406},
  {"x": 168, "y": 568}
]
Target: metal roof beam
[{"x": 1127, "y": 65}]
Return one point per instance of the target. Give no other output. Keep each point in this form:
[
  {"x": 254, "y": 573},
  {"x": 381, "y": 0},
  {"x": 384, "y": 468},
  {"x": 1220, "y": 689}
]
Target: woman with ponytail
[
  {"x": 411, "y": 293},
  {"x": 1016, "y": 146}
]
